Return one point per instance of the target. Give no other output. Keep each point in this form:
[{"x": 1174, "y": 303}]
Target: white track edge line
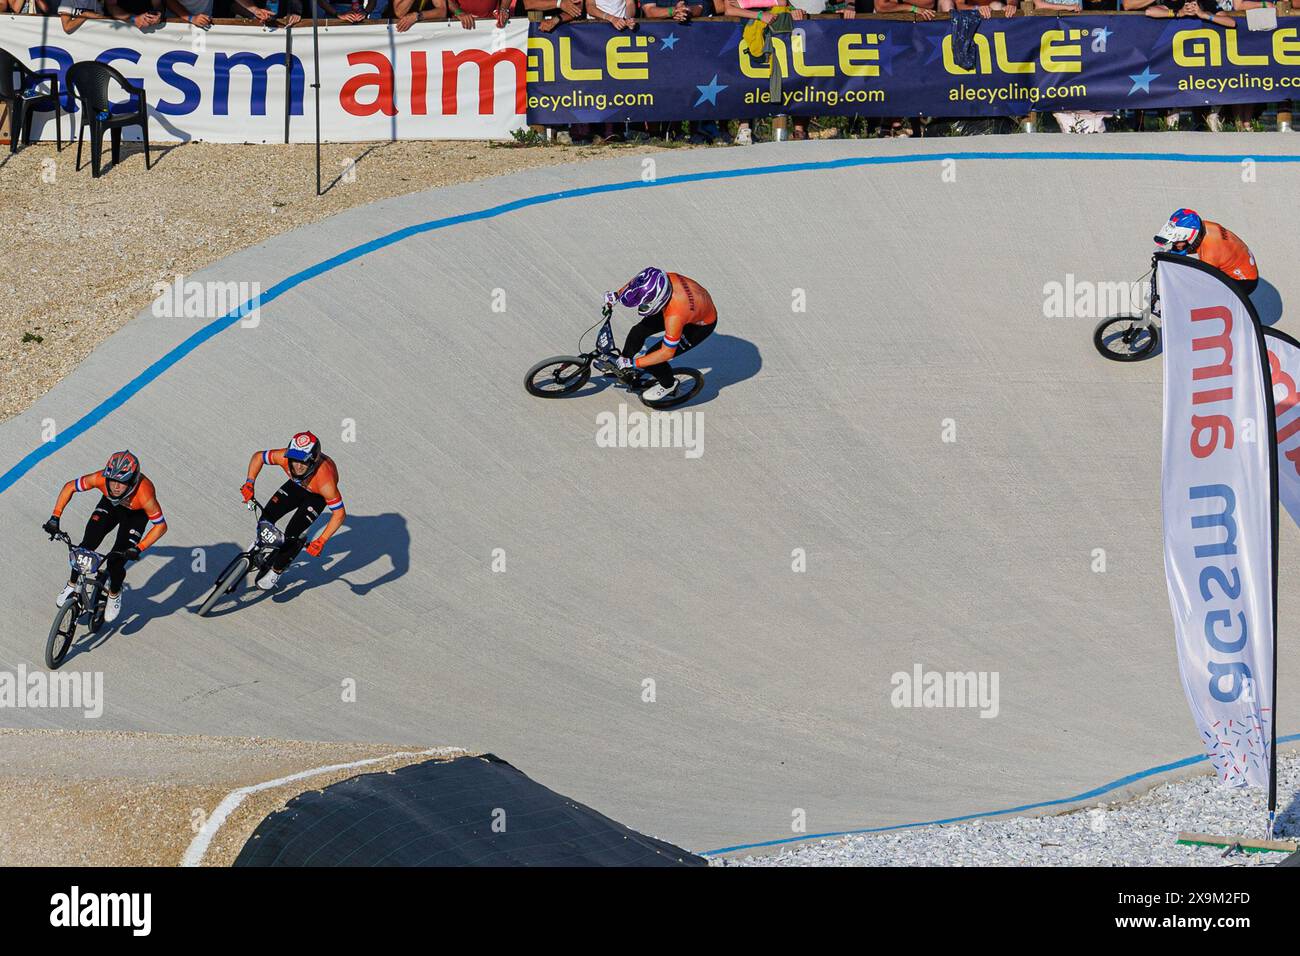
[{"x": 199, "y": 845}]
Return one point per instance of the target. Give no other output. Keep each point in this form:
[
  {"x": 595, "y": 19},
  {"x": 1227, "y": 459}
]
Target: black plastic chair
[
  {"x": 24, "y": 101},
  {"x": 90, "y": 82}
]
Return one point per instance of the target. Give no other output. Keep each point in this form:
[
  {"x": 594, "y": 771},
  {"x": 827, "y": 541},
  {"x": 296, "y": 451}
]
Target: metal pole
[
  {"x": 315, "y": 43},
  {"x": 288, "y": 78}
]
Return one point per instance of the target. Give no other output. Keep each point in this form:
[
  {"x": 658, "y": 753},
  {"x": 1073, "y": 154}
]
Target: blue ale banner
[{"x": 700, "y": 70}]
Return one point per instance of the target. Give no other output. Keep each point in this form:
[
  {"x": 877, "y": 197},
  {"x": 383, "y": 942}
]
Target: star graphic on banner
[
  {"x": 1142, "y": 81},
  {"x": 710, "y": 91},
  {"x": 936, "y": 45},
  {"x": 669, "y": 41},
  {"x": 1099, "y": 38},
  {"x": 888, "y": 50}
]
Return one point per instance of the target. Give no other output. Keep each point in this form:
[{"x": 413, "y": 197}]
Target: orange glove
[
  {"x": 246, "y": 489},
  {"x": 315, "y": 547}
]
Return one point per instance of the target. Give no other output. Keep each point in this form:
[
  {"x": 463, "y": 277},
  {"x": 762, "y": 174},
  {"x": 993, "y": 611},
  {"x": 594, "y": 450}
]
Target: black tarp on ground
[{"x": 440, "y": 813}]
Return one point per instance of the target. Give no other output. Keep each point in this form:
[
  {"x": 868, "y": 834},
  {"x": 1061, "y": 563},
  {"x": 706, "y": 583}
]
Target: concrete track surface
[{"x": 823, "y": 430}]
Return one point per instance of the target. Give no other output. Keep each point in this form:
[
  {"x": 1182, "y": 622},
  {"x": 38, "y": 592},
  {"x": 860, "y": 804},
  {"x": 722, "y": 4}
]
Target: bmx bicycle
[
  {"x": 256, "y": 560},
  {"x": 1127, "y": 338},
  {"x": 88, "y": 599},
  {"x": 563, "y": 375}
]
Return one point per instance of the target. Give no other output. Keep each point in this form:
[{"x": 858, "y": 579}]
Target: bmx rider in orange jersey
[{"x": 668, "y": 303}]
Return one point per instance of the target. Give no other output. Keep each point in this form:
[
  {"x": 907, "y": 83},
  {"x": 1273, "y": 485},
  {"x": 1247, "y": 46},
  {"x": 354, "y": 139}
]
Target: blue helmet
[
  {"x": 304, "y": 447},
  {"x": 648, "y": 292},
  {"x": 1183, "y": 226}
]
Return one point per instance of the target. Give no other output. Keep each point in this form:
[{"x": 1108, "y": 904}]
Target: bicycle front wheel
[
  {"x": 1126, "y": 338},
  {"x": 226, "y": 583},
  {"x": 62, "y": 632},
  {"x": 557, "y": 376}
]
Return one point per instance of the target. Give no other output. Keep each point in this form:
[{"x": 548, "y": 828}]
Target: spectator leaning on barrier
[
  {"x": 681, "y": 11},
  {"x": 72, "y": 12},
  {"x": 921, "y": 9},
  {"x": 553, "y": 13},
  {"x": 849, "y": 9},
  {"x": 195, "y": 12},
  {"x": 986, "y": 8},
  {"x": 282, "y": 13},
  {"x": 352, "y": 11},
  {"x": 620, "y": 14},
  {"x": 1201, "y": 9},
  {"x": 467, "y": 11},
  {"x": 142, "y": 14},
  {"x": 411, "y": 12}
]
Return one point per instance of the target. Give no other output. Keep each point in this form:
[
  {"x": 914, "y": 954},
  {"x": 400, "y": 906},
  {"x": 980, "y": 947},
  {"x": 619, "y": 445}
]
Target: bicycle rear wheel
[
  {"x": 1126, "y": 338},
  {"x": 226, "y": 583},
  {"x": 557, "y": 376},
  {"x": 62, "y": 633}
]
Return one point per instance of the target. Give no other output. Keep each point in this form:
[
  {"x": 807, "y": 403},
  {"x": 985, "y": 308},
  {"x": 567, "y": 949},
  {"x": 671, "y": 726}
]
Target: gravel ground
[
  {"x": 86, "y": 252},
  {"x": 1138, "y": 832}
]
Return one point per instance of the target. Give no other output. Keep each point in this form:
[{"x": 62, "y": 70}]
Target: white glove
[
  {"x": 610, "y": 298},
  {"x": 623, "y": 362}
]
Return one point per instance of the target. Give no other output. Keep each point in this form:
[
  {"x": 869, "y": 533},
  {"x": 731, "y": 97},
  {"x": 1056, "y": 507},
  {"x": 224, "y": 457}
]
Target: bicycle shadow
[
  {"x": 181, "y": 579},
  {"x": 363, "y": 541},
  {"x": 724, "y": 360}
]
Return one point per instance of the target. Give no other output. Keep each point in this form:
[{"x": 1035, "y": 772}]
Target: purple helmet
[{"x": 648, "y": 292}]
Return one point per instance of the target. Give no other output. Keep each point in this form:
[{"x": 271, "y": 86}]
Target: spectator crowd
[{"x": 626, "y": 14}]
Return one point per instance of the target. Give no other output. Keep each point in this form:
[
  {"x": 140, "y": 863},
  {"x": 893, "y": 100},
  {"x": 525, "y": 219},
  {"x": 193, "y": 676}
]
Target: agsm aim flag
[{"x": 1219, "y": 492}]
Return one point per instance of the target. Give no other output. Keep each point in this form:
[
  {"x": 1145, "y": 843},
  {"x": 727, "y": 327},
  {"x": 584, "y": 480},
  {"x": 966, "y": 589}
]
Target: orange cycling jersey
[
  {"x": 690, "y": 304},
  {"x": 324, "y": 481},
  {"x": 1224, "y": 250},
  {"x": 144, "y": 498}
]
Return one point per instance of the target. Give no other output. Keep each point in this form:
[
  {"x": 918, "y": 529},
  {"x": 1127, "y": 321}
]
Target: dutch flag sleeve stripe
[
  {"x": 266, "y": 457},
  {"x": 334, "y": 505}
]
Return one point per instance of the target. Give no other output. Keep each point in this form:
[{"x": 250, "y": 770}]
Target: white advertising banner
[
  {"x": 1219, "y": 503},
  {"x": 229, "y": 84},
  {"x": 1284, "y": 370}
]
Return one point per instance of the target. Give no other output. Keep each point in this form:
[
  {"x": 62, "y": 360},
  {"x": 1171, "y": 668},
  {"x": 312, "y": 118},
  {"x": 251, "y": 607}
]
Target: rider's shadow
[
  {"x": 724, "y": 360},
  {"x": 363, "y": 541},
  {"x": 184, "y": 576}
]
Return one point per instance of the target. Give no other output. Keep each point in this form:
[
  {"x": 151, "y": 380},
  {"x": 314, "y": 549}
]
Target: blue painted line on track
[{"x": 180, "y": 351}]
